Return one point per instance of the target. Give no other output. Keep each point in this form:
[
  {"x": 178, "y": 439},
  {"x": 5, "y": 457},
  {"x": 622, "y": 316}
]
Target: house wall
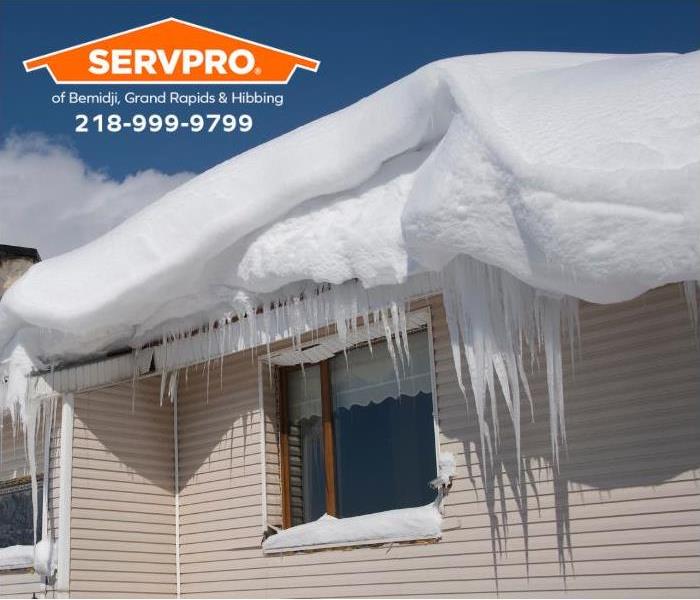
[
  {"x": 123, "y": 518},
  {"x": 621, "y": 517},
  {"x": 24, "y": 584}
]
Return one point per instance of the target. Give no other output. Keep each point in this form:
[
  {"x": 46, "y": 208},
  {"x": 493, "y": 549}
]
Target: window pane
[
  {"x": 306, "y": 469},
  {"x": 16, "y": 521},
  {"x": 384, "y": 442}
]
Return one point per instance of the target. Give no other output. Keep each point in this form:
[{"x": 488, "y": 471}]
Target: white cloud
[{"x": 51, "y": 200}]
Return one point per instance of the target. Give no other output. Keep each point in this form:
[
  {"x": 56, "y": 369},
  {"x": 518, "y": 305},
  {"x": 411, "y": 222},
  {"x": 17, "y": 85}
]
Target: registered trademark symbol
[{"x": 258, "y": 70}]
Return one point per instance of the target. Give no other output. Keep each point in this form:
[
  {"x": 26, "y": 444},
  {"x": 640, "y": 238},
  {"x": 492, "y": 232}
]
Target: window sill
[
  {"x": 15, "y": 558},
  {"x": 390, "y": 527}
]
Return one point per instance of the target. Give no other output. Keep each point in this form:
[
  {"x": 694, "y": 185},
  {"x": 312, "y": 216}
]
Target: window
[
  {"x": 16, "y": 515},
  {"x": 351, "y": 443},
  {"x": 16, "y": 519}
]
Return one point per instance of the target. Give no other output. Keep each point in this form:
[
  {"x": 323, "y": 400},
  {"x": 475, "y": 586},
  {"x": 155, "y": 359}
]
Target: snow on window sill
[
  {"x": 16, "y": 557},
  {"x": 392, "y": 526}
]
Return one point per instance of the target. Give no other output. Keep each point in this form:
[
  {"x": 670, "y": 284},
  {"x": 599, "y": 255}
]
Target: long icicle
[{"x": 491, "y": 317}]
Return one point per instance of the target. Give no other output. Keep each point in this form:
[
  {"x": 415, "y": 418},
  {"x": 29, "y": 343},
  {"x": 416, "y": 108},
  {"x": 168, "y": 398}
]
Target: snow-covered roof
[
  {"x": 518, "y": 181},
  {"x": 577, "y": 173}
]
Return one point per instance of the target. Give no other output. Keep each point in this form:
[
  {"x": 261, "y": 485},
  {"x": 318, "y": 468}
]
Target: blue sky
[{"x": 362, "y": 47}]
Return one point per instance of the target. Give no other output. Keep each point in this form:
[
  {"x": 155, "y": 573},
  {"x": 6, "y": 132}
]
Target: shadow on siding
[{"x": 632, "y": 420}]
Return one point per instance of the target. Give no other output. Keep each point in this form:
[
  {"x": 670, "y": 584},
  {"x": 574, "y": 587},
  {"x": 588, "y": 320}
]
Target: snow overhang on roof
[
  {"x": 518, "y": 181},
  {"x": 576, "y": 173}
]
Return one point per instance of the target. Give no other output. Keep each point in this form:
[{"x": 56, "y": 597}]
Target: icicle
[
  {"x": 690, "y": 293},
  {"x": 396, "y": 323},
  {"x": 390, "y": 347},
  {"x": 403, "y": 328},
  {"x": 551, "y": 322},
  {"x": 368, "y": 331},
  {"x": 134, "y": 379},
  {"x": 172, "y": 385},
  {"x": 491, "y": 316},
  {"x": 165, "y": 368},
  {"x": 30, "y": 418}
]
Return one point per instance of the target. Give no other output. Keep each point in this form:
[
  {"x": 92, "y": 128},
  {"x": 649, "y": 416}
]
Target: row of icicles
[{"x": 494, "y": 322}]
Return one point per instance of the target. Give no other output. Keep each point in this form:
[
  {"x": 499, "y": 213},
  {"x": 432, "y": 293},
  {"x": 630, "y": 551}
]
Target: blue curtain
[
  {"x": 313, "y": 479},
  {"x": 385, "y": 455}
]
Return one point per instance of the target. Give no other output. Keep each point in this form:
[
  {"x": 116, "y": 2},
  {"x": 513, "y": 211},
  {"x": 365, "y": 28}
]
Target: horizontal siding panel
[
  {"x": 127, "y": 527},
  {"x": 118, "y": 515},
  {"x": 125, "y": 462},
  {"x": 625, "y": 583},
  {"x": 123, "y": 535},
  {"x": 126, "y": 508},
  {"x": 120, "y": 546},
  {"x": 115, "y": 580},
  {"x": 594, "y": 560},
  {"x": 191, "y": 521},
  {"x": 145, "y": 560},
  {"x": 337, "y": 587},
  {"x": 20, "y": 585},
  {"x": 131, "y": 566},
  {"x": 123, "y": 516},
  {"x": 248, "y": 487},
  {"x": 125, "y": 497},
  {"x": 474, "y": 555},
  {"x": 151, "y": 493},
  {"x": 118, "y": 589},
  {"x": 664, "y": 567}
]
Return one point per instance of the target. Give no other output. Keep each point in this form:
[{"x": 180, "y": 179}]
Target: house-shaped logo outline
[{"x": 44, "y": 60}]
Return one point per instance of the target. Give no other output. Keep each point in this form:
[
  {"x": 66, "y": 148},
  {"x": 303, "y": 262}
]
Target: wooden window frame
[
  {"x": 328, "y": 440},
  {"x": 328, "y": 424}
]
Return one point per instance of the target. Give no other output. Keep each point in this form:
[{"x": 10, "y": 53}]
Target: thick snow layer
[
  {"x": 447, "y": 468},
  {"x": 22, "y": 557},
  {"x": 16, "y": 557},
  {"x": 43, "y": 557},
  {"x": 390, "y": 526},
  {"x": 577, "y": 173}
]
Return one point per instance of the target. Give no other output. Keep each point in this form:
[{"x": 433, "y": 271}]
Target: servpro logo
[{"x": 171, "y": 51}]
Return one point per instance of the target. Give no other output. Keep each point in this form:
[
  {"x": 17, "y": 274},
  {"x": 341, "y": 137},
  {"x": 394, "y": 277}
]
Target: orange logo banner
[{"x": 171, "y": 52}]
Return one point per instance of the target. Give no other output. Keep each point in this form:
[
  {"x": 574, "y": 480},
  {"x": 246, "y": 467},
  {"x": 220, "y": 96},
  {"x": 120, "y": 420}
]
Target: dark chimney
[{"x": 14, "y": 261}]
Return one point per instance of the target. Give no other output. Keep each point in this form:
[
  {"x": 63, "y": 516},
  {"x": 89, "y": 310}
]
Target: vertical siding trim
[
  {"x": 176, "y": 457},
  {"x": 64, "y": 507},
  {"x": 49, "y": 405},
  {"x": 433, "y": 385},
  {"x": 263, "y": 455}
]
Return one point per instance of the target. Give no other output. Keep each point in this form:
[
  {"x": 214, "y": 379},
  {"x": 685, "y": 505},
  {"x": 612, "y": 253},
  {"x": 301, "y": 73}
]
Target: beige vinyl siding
[
  {"x": 123, "y": 518},
  {"x": 220, "y": 455},
  {"x": 620, "y": 518},
  {"x": 21, "y": 584},
  {"x": 24, "y": 584}
]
